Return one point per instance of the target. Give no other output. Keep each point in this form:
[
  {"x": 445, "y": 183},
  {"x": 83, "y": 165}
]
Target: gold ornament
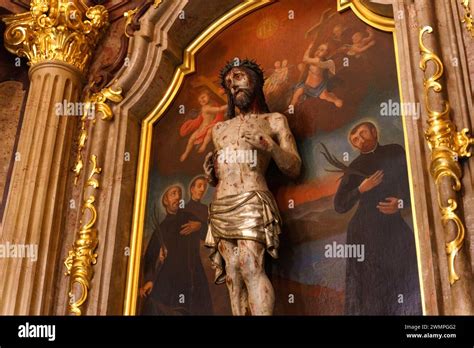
[
  {"x": 94, "y": 104},
  {"x": 56, "y": 30},
  {"x": 82, "y": 257},
  {"x": 447, "y": 146},
  {"x": 129, "y": 18},
  {"x": 467, "y": 18}
]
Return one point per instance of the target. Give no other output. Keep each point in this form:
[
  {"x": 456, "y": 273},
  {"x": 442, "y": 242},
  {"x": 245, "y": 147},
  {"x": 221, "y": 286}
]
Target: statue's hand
[{"x": 259, "y": 140}]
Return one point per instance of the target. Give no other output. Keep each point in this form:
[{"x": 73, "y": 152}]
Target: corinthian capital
[{"x": 56, "y": 30}]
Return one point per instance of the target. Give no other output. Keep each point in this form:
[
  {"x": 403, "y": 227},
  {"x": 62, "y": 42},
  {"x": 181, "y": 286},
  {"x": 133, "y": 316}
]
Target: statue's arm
[
  {"x": 209, "y": 166},
  {"x": 285, "y": 153}
]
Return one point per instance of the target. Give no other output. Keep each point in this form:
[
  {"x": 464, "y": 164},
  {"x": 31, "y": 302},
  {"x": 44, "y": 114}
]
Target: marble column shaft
[{"x": 35, "y": 210}]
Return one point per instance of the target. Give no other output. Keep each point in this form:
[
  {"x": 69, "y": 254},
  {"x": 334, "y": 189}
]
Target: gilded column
[{"x": 57, "y": 38}]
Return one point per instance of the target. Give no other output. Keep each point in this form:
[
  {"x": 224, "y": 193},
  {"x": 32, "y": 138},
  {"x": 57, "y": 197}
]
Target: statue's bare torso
[{"x": 236, "y": 177}]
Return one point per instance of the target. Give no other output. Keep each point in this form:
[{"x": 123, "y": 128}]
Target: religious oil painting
[{"x": 313, "y": 95}]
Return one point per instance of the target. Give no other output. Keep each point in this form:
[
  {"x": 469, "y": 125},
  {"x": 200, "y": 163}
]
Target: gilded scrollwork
[
  {"x": 132, "y": 21},
  {"x": 56, "y": 30},
  {"x": 467, "y": 16},
  {"x": 447, "y": 147},
  {"x": 82, "y": 257},
  {"x": 95, "y": 105},
  {"x": 129, "y": 18},
  {"x": 100, "y": 101}
]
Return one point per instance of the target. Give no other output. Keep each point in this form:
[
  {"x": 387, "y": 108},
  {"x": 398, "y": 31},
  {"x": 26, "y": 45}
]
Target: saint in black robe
[
  {"x": 386, "y": 282},
  {"x": 201, "y": 211},
  {"x": 178, "y": 282},
  {"x": 202, "y": 294}
]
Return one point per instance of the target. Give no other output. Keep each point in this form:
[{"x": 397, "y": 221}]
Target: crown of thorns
[{"x": 246, "y": 63}]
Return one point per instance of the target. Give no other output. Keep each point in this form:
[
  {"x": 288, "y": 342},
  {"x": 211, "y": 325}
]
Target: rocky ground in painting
[{"x": 314, "y": 220}]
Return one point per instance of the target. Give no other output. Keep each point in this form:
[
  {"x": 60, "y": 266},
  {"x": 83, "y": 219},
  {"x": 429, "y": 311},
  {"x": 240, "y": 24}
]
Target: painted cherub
[
  {"x": 316, "y": 75},
  {"x": 201, "y": 126},
  {"x": 278, "y": 78},
  {"x": 360, "y": 44}
]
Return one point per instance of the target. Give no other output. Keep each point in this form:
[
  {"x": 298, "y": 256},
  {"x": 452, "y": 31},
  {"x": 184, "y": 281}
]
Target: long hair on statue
[{"x": 257, "y": 80}]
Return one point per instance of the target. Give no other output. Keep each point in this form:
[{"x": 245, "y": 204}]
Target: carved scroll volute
[
  {"x": 447, "y": 147},
  {"x": 82, "y": 256}
]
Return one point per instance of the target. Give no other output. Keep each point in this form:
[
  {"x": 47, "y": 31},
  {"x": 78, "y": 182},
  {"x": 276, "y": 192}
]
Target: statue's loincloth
[{"x": 250, "y": 215}]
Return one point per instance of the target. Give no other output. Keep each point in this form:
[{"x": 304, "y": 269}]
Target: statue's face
[
  {"x": 198, "y": 189},
  {"x": 240, "y": 86},
  {"x": 364, "y": 139},
  {"x": 171, "y": 201}
]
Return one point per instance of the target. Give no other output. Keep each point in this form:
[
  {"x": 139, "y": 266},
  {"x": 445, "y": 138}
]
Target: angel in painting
[
  {"x": 279, "y": 77},
  {"x": 200, "y": 127},
  {"x": 316, "y": 75},
  {"x": 360, "y": 44}
]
